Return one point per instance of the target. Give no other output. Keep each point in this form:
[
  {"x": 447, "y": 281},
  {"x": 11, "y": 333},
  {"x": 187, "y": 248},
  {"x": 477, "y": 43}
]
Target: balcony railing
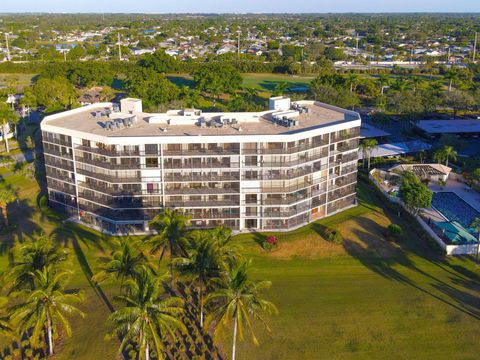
[
  {"x": 106, "y": 164},
  {"x": 109, "y": 178},
  {"x": 108, "y": 152},
  {"x": 201, "y": 203},
  {"x": 200, "y": 191},
  {"x": 201, "y": 152},
  {"x": 292, "y": 150},
  {"x": 64, "y": 155},
  {"x": 175, "y": 177}
]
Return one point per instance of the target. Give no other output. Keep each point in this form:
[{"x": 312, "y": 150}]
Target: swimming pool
[{"x": 454, "y": 208}]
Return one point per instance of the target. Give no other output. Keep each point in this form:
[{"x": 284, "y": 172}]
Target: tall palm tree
[
  {"x": 7, "y": 116},
  {"x": 35, "y": 254},
  {"x": 228, "y": 250},
  {"x": 238, "y": 299},
  {"x": 451, "y": 76},
  {"x": 439, "y": 156},
  {"x": 400, "y": 85},
  {"x": 124, "y": 262},
  {"x": 352, "y": 81},
  {"x": 146, "y": 316},
  {"x": 416, "y": 82},
  {"x": 476, "y": 225},
  {"x": 384, "y": 80},
  {"x": 171, "y": 227},
  {"x": 202, "y": 264},
  {"x": 7, "y": 196},
  {"x": 367, "y": 146},
  {"x": 449, "y": 153},
  {"x": 47, "y": 305}
]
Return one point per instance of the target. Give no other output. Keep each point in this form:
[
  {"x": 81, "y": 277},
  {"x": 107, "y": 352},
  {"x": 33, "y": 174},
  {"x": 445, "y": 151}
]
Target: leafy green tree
[
  {"x": 147, "y": 316},
  {"x": 384, "y": 81},
  {"x": 46, "y": 305},
  {"x": 217, "y": 78},
  {"x": 414, "y": 194},
  {"x": 151, "y": 87},
  {"x": 160, "y": 62},
  {"x": 352, "y": 81},
  {"x": 416, "y": 82},
  {"x": 237, "y": 299},
  {"x": 7, "y": 117},
  {"x": 54, "y": 94},
  {"x": 171, "y": 228},
  {"x": 449, "y": 153}
]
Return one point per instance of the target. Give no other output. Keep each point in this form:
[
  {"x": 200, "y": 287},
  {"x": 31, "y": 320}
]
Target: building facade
[{"x": 115, "y": 167}]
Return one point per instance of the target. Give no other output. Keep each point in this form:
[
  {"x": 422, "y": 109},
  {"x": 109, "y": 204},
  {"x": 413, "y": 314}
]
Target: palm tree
[
  {"x": 125, "y": 262},
  {"x": 7, "y": 116},
  {"x": 251, "y": 92},
  {"x": 47, "y": 305},
  {"x": 352, "y": 80},
  {"x": 172, "y": 227},
  {"x": 449, "y": 153},
  {"x": 399, "y": 85},
  {"x": 476, "y": 225},
  {"x": 35, "y": 254},
  {"x": 439, "y": 156},
  {"x": 229, "y": 251},
  {"x": 451, "y": 76},
  {"x": 146, "y": 316},
  {"x": 237, "y": 298},
  {"x": 384, "y": 80},
  {"x": 202, "y": 264},
  {"x": 416, "y": 82},
  {"x": 367, "y": 146},
  {"x": 280, "y": 88},
  {"x": 7, "y": 196}
]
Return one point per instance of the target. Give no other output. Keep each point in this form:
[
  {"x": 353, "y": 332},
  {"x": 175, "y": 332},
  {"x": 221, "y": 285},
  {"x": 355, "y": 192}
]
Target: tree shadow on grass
[
  {"x": 388, "y": 259},
  {"x": 71, "y": 237}
]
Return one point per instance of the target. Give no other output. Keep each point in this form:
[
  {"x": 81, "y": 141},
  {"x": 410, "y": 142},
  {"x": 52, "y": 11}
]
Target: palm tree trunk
[
  {"x": 446, "y": 161},
  {"x": 234, "y": 338},
  {"x": 201, "y": 306},
  {"x": 7, "y": 145},
  {"x": 478, "y": 244},
  {"x": 5, "y": 214},
  {"x": 147, "y": 352},
  {"x": 49, "y": 337},
  {"x": 450, "y": 85}
]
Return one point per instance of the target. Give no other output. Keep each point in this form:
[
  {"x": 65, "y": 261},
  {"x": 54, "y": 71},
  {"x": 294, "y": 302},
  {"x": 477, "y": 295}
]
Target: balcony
[
  {"x": 107, "y": 152},
  {"x": 286, "y": 151},
  {"x": 109, "y": 178},
  {"x": 201, "y": 203},
  {"x": 106, "y": 164},
  {"x": 54, "y": 152},
  {"x": 201, "y": 191},
  {"x": 56, "y": 141},
  {"x": 201, "y": 152},
  {"x": 175, "y": 177},
  {"x": 202, "y": 165}
]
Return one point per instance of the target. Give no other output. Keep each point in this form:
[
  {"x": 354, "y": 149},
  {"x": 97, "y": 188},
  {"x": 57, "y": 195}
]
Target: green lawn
[
  {"x": 18, "y": 80},
  {"x": 365, "y": 299}
]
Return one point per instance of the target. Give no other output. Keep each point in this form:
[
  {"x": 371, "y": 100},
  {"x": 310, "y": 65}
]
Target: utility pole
[
  {"x": 474, "y": 47},
  {"x": 8, "y": 49},
  {"x": 356, "y": 46},
  {"x": 238, "y": 46},
  {"x": 448, "y": 56},
  {"x": 119, "y": 48}
]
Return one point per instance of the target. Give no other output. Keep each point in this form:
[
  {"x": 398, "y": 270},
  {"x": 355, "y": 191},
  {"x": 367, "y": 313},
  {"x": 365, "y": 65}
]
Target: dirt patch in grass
[{"x": 311, "y": 246}]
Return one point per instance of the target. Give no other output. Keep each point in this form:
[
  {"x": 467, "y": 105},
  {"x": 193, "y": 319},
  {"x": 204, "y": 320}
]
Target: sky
[{"x": 238, "y": 6}]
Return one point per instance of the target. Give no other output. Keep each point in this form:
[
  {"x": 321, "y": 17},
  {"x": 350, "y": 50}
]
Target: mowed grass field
[
  {"x": 18, "y": 80},
  {"x": 364, "y": 299}
]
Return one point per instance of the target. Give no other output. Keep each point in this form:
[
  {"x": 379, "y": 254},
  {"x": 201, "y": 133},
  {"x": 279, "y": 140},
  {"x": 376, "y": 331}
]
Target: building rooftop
[
  {"x": 454, "y": 126},
  {"x": 132, "y": 121}
]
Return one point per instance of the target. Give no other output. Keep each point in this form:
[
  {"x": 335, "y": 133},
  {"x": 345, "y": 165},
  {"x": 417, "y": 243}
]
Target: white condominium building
[{"x": 114, "y": 167}]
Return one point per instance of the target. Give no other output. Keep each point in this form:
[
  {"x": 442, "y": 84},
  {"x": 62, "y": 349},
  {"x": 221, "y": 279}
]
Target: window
[
  {"x": 151, "y": 149},
  {"x": 152, "y": 162}
]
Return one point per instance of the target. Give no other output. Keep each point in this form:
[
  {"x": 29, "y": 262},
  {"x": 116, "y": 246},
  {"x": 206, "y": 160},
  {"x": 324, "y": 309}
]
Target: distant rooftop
[
  {"x": 369, "y": 131},
  {"x": 107, "y": 119},
  {"x": 455, "y": 126}
]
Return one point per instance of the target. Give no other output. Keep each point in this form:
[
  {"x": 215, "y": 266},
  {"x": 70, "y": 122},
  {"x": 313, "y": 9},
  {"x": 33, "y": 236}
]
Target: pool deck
[{"x": 466, "y": 193}]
